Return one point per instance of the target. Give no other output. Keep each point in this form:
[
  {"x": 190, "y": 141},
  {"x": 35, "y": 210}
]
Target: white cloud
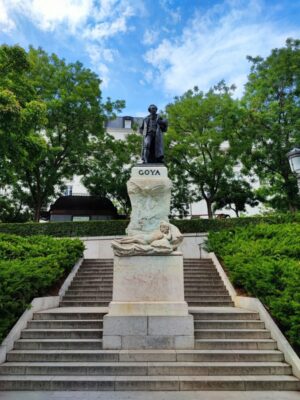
[
  {"x": 6, "y": 23},
  {"x": 94, "y": 21},
  {"x": 100, "y": 57},
  {"x": 49, "y": 15},
  {"x": 111, "y": 19},
  {"x": 214, "y": 46},
  {"x": 173, "y": 13},
  {"x": 150, "y": 36}
]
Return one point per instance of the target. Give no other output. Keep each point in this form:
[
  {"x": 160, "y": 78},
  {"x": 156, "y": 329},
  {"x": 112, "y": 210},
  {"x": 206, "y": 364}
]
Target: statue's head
[
  {"x": 164, "y": 227},
  {"x": 152, "y": 109}
]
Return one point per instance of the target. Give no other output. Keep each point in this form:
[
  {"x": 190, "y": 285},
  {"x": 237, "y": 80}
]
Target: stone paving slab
[{"x": 204, "y": 395}]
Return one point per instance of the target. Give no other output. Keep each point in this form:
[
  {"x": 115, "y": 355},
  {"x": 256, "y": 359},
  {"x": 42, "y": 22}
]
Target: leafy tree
[
  {"x": 109, "y": 168},
  {"x": 21, "y": 110},
  {"x": 75, "y": 117},
  {"x": 235, "y": 195},
  {"x": 199, "y": 124},
  {"x": 13, "y": 210},
  {"x": 271, "y": 125}
]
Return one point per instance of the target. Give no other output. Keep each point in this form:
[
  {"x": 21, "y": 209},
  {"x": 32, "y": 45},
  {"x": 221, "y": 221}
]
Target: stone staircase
[
  {"x": 92, "y": 285},
  {"x": 61, "y": 349}
]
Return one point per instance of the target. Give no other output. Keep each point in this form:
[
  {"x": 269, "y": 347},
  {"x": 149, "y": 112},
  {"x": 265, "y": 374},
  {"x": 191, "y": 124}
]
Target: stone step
[
  {"x": 211, "y": 270},
  {"x": 199, "y": 266},
  {"x": 201, "y": 276},
  {"x": 98, "y": 261},
  {"x": 58, "y": 344},
  {"x": 90, "y": 292},
  {"x": 221, "y": 315},
  {"x": 203, "y": 282},
  {"x": 94, "y": 274},
  {"x": 146, "y": 368},
  {"x": 87, "y": 297},
  {"x": 196, "y": 286},
  {"x": 201, "y": 297},
  {"x": 199, "y": 279},
  {"x": 144, "y": 355},
  {"x": 84, "y": 304},
  {"x": 196, "y": 292},
  {"x": 94, "y": 280},
  {"x": 210, "y": 303},
  {"x": 81, "y": 283},
  {"x": 225, "y": 324},
  {"x": 97, "y": 267},
  {"x": 68, "y": 315},
  {"x": 230, "y": 355},
  {"x": 201, "y": 272},
  {"x": 148, "y": 383},
  {"x": 232, "y": 334},
  {"x": 91, "y": 282},
  {"x": 97, "y": 287},
  {"x": 235, "y": 344},
  {"x": 100, "y": 272},
  {"x": 92, "y": 277},
  {"x": 65, "y": 324},
  {"x": 198, "y": 261},
  {"x": 61, "y": 334},
  {"x": 95, "y": 271}
]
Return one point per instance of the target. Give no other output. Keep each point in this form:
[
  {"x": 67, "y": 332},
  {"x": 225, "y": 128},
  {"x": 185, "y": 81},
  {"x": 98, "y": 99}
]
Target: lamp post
[{"x": 294, "y": 160}]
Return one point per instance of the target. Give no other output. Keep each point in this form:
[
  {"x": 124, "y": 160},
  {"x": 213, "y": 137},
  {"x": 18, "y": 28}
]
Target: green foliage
[
  {"x": 265, "y": 261},
  {"x": 110, "y": 167},
  {"x": 117, "y": 227},
  {"x": 12, "y": 210},
  {"x": 271, "y": 123},
  {"x": 235, "y": 195},
  {"x": 60, "y": 109},
  {"x": 28, "y": 268},
  {"x": 198, "y": 126},
  {"x": 21, "y": 110}
]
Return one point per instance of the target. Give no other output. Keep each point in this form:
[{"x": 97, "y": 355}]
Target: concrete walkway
[{"x": 150, "y": 395}]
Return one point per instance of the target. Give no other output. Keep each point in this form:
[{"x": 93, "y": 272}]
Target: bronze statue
[{"x": 152, "y": 130}]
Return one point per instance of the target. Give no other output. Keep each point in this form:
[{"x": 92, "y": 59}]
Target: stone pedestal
[
  {"x": 148, "y": 310},
  {"x": 149, "y": 189}
]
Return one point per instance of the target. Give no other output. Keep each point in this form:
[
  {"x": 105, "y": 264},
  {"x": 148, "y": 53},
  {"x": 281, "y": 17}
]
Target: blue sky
[{"x": 148, "y": 51}]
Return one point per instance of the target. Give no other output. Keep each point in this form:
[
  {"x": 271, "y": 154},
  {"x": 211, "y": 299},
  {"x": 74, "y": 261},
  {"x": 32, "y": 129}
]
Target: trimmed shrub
[
  {"x": 29, "y": 267},
  {"x": 264, "y": 260},
  {"x": 117, "y": 227}
]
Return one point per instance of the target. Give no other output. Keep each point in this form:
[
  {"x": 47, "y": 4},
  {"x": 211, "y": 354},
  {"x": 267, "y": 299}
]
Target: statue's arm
[
  {"x": 142, "y": 127},
  {"x": 163, "y": 123}
]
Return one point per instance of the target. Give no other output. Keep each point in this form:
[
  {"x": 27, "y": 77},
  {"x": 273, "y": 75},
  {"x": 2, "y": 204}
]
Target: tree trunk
[
  {"x": 37, "y": 212},
  {"x": 209, "y": 208}
]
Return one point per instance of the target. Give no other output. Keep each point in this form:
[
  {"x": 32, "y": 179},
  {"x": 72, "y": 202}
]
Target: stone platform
[{"x": 148, "y": 310}]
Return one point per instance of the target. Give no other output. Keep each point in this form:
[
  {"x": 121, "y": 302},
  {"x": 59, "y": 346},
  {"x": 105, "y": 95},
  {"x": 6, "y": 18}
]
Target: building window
[
  {"x": 127, "y": 123},
  {"x": 80, "y": 218},
  {"x": 69, "y": 190}
]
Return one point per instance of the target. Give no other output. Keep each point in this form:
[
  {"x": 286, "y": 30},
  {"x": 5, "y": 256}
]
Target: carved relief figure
[{"x": 164, "y": 240}]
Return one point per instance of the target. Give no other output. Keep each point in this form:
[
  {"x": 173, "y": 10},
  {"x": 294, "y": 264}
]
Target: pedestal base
[
  {"x": 148, "y": 332},
  {"x": 148, "y": 310}
]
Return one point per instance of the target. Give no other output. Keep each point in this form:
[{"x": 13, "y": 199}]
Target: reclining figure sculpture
[{"x": 164, "y": 240}]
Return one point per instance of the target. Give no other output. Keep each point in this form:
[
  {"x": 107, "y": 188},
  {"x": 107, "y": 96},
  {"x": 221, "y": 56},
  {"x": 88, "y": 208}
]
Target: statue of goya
[{"x": 152, "y": 130}]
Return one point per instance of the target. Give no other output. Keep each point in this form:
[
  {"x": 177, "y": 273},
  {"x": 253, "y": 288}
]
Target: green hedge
[
  {"x": 29, "y": 267},
  {"x": 117, "y": 227},
  {"x": 264, "y": 260}
]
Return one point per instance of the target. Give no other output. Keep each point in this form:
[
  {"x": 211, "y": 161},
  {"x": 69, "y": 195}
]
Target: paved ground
[{"x": 150, "y": 395}]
